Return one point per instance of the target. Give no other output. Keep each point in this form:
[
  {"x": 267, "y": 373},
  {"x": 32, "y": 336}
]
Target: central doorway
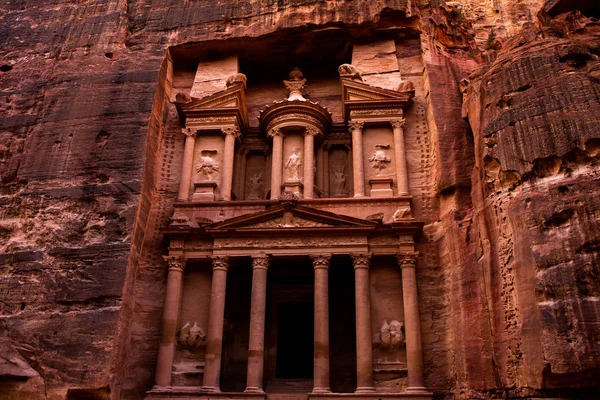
[{"x": 295, "y": 340}]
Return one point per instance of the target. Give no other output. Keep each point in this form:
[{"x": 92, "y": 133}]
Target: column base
[
  {"x": 364, "y": 390},
  {"x": 254, "y": 390},
  {"x": 210, "y": 389},
  {"x": 321, "y": 390},
  {"x": 417, "y": 389}
]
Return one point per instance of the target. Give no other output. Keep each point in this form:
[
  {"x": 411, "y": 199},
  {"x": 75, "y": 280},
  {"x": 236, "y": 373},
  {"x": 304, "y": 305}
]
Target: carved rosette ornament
[
  {"x": 231, "y": 130},
  {"x": 353, "y": 126},
  {"x": 260, "y": 262},
  {"x": 175, "y": 263},
  {"x": 407, "y": 260},
  {"x": 220, "y": 263},
  {"x": 189, "y": 132},
  {"x": 398, "y": 123},
  {"x": 321, "y": 261},
  {"x": 361, "y": 260}
]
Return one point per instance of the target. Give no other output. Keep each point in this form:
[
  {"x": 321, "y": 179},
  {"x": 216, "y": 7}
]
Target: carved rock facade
[{"x": 491, "y": 174}]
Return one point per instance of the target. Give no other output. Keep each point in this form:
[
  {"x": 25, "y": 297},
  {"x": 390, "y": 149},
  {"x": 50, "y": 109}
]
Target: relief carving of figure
[
  {"x": 293, "y": 166},
  {"x": 207, "y": 166},
  {"x": 339, "y": 180},
  {"x": 380, "y": 159},
  {"x": 254, "y": 186},
  {"x": 391, "y": 334},
  {"x": 192, "y": 337}
]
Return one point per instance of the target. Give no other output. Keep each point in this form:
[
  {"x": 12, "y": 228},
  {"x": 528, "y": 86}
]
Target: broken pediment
[
  {"x": 228, "y": 103},
  {"x": 360, "y": 99}
]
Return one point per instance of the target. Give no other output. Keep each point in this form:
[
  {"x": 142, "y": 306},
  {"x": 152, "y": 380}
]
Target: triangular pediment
[
  {"x": 229, "y": 101},
  {"x": 290, "y": 217}
]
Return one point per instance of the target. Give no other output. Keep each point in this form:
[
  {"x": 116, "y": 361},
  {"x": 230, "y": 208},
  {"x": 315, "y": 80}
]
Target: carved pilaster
[
  {"x": 361, "y": 260},
  {"x": 321, "y": 261},
  {"x": 220, "y": 263}
]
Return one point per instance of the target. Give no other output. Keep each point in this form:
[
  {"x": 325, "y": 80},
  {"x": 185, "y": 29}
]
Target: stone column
[
  {"x": 364, "y": 349},
  {"x": 309, "y": 162},
  {"x": 412, "y": 324},
  {"x": 400, "y": 153},
  {"x": 321, "y": 350},
  {"x": 214, "y": 339},
  {"x": 357, "y": 158},
  {"x": 256, "y": 346},
  {"x": 277, "y": 162},
  {"x": 186, "y": 169},
  {"x": 230, "y": 132},
  {"x": 166, "y": 350}
]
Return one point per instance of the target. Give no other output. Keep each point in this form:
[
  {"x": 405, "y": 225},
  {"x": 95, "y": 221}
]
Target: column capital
[
  {"x": 220, "y": 263},
  {"x": 189, "y": 132},
  {"x": 321, "y": 261},
  {"x": 260, "y": 262},
  {"x": 361, "y": 260},
  {"x": 311, "y": 131},
  {"x": 354, "y": 125},
  {"x": 275, "y": 132},
  {"x": 175, "y": 263},
  {"x": 231, "y": 130},
  {"x": 407, "y": 260},
  {"x": 399, "y": 123}
]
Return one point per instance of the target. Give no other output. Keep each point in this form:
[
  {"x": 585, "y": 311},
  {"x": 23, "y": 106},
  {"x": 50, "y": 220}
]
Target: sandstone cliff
[{"x": 90, "y": 156}]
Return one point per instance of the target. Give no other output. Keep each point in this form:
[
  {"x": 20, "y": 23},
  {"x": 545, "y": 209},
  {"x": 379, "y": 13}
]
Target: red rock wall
[{"x": 89, "y": 150}]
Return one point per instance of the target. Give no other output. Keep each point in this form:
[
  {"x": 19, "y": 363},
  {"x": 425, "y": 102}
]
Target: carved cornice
[
  {"x": 361, "y": 260},
  {"x": 260, "y": 262},
  {"x": 398, "y": 123},
  {"x": 407, "y": 260},
  {"x": 321, "y": 261},
  {"x": 175, "y": 263},
  {"x": 231, "y": 130},
  {"x": 353, "y": 125},
  {"x": 295, "y": 114},
  {"x": 220, "y": 263}
]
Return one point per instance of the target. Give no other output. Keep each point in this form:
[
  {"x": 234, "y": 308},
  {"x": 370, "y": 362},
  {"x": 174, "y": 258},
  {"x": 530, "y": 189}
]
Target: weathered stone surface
[{"x": 90, "y": 154}]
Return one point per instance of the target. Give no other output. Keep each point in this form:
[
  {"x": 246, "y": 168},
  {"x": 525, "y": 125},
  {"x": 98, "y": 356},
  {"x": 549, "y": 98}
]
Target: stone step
[
  {"x": 287, "y": 396},
  {"x": 295, "y": 387}
]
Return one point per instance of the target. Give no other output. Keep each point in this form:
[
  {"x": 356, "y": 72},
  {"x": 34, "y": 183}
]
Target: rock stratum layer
[{"x": 90, "y": 158}]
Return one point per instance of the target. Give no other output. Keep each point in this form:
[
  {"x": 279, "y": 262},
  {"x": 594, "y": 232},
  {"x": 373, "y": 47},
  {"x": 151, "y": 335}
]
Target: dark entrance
[{"x": 295, "y": 340}]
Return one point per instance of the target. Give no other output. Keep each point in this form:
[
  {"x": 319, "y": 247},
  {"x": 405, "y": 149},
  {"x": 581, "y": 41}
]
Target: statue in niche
[
  {"x": 293, "y": 166},
  {"x": 254, "y": 186},
  {"x": 207, "y": 166},
  {"x": 380, "y": 159},
  {"x": 192, "y": 337},
  {"x": 339, "y": 179},
  {"x": 391, "y": 334}
]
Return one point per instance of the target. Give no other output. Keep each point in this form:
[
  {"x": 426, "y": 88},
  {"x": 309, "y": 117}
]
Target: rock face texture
[{"x": 507, "y": 147}]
